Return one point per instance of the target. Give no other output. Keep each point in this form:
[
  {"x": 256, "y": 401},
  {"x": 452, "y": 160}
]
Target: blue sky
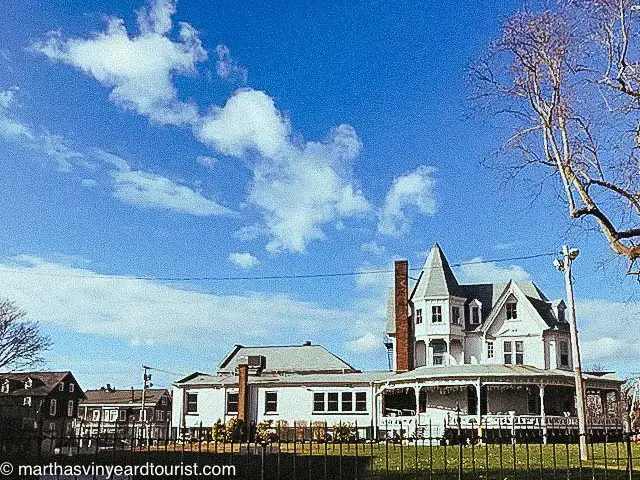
[{"x": 259, "y": 138}]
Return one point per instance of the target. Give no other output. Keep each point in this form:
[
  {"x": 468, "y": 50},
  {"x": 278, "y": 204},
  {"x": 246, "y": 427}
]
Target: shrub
[
  {"x": 344, "y": 432},
  {"x": 218, "y": 431},
  {"x": 266, "y": 432},
  {"x": 319, "y": 431},
  {"x": 234, "y": 430}
]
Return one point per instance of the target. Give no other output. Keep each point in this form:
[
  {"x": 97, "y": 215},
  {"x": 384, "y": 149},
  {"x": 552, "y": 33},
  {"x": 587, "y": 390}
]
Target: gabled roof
[
  {"x": 43, "y": 382},
  {"x": 102, "y": 396},
  {"x": 229, "y": 380},
  {"x": 437, "y": 279},
  {"x": 288, "y": 358}
]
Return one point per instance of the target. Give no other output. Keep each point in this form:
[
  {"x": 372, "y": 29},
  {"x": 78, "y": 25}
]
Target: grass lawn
[{"x": 380, "y": 460}]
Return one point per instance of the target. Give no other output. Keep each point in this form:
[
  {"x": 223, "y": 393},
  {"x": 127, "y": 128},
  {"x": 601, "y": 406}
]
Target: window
[
  {"x": 475, "y": 315},
  {"x": 564, "y": 354},
  {"x": 61, "y": 387},
  {"x": 519, "y": 353},
  {"x": 507, "y": 353},
  {"x": 439, "y": 349},
  {"x": 72, "y": 387},
  {"x": 164, "y": 400},
  {"x": 192, "y": 402},
  {"x": 489, "y": 349},
  {"x": 26, "y": 401},
  {"x": 95, "y": 416},
  {"x": 270, "y": 402},
  {"x": 455, "y": 315},
  {"x": 113, "y": 415},
  {"x": 122, "y": 415},
  {"x": 361, "y": 401},
  {"x": 232, "y": 403},
  {"x": 53, "y": 406},
  {"x": 28, "y": 383},
  {"x": 332, "y": 402},
  {"x": 418, "y": 315},
  {"x": 70, "y": 408},
  {"x": 5, "y": 387},
  {"x": 512, "y": 311},
  {"x": 347, "y": 401},
  {"x": 318, "y": 402},
  {"x": 159, "y": 416},
  {"x": 436, "y": 314}
]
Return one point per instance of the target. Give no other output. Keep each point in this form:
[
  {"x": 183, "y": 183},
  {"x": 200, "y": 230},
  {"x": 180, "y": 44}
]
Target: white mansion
[{"x": 488, "y": 352}]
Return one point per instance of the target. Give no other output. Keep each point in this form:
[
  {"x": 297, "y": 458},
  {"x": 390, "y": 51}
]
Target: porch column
[
  {"x": 416, "y": 390},
  {"x": 604, "y": 404},
  {"x": 478, "y": 386},
  {"x": 543, "y": 417},
  {"x": 619, "y": 410}
]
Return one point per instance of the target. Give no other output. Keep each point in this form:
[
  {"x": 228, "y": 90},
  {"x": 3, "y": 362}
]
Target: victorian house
[
  {"x": 46, "y": 402},
  {"x": 483, "y": 353}
]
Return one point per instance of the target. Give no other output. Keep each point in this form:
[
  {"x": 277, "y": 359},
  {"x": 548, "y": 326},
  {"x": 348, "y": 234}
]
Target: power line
[{"x": 268, "y": 277}]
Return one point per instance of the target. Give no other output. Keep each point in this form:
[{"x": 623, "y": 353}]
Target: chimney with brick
[
  {"x": 404, "y": 327},
  {"x": 243, "y": 390}
]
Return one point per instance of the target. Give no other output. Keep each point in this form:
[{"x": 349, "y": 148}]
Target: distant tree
[
  {"x": 21, "y": 343},
  {"x": 568, "y": 77}
]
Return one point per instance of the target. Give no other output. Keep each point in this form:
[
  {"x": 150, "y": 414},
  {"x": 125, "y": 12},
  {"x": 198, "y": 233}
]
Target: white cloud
[
  {"x": 155, "y": 191},
  {"x": 607, "y": 333},
  {"x": 227, "y": 69},
  {"x": 413, "y": 190},
  {"x": 134, "y": 187},
  {"x": 248, "y": 121},
  {"x": 89, "y": 182},
  {"x": 11, "y": 128},
  {"x": 373, "y": 247},
  {"x": 243, "y": 260},
  {"x": 367, "y": 343},
  {"x": 207, "y": 161},
  {"x": 473, "y": 271},
  {"x": 139, "y": 69},
  {"x": 298, "y": 185},
  {"x": 54, "y": 147},
  {"x": 147, "y": 312}
]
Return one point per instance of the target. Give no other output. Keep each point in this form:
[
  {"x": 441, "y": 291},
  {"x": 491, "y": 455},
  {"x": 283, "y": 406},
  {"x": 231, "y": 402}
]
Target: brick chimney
[
  {"x": 243, "y": 390},
  {"x": 404, "y": 327}
]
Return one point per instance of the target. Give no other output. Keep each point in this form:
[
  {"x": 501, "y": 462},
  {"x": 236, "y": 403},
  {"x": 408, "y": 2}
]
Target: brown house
[
  {"x": 106, "y": 408},
  {"x": 46, "y": 401}
]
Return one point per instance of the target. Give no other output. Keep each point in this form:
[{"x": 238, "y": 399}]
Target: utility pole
[
  {"x": 564, "y": 265},
  {"x": 146, "y": 378}
]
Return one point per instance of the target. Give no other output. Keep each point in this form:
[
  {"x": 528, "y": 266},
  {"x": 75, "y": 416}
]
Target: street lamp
[{"x": 564, "y": 265}]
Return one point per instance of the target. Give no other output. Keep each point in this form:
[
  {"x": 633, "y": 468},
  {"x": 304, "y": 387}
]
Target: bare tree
[
  {"x": 568, "y": 78},
  {"x": 21, "y": 343}
]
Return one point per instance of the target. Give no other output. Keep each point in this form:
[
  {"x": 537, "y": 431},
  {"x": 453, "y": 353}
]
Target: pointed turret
[{"x": 437, "y": 279}]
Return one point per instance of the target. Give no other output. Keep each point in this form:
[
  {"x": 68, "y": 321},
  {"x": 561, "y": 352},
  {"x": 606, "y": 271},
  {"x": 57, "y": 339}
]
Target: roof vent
[
  {"x": 307, "y": 344},
  {"x": 256, "y": 363}
]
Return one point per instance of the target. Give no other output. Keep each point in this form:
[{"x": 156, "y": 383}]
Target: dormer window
[
  {"x": 475, "y": 315},
  {"x": 436, "y": 314},
  {"x": 28, "y": 383},
  {"x": 512, "y": 311},
  {"x": 564, "y": 354},
  {"x": 561, "y": 317},
  {"x": 5, "y": 387}
]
